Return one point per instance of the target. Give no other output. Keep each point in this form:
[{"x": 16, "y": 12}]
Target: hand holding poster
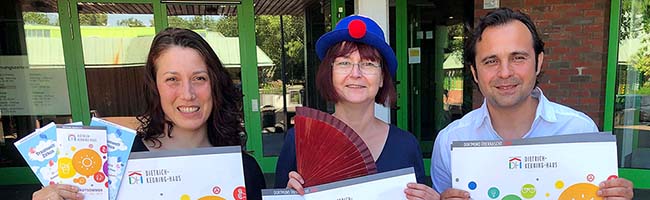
[
  {"x": 203, "y": 173},
  {"x": 555, "y": 167},
  {"x": 386, "y": 185}
]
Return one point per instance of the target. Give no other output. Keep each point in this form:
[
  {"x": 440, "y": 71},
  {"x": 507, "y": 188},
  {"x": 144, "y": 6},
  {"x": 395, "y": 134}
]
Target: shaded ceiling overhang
[{"x": 181, "y": 7}]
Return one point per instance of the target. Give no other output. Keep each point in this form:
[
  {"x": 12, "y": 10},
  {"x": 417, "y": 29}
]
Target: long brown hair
[{"x": 225, "y": 121}]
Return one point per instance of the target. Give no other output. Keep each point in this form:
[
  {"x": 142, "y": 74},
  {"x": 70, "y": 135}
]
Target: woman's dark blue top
[{"x": 400, "y": 151}]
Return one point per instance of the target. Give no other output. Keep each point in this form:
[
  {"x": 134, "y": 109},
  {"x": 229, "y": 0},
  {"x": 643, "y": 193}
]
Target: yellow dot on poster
[
  {"x": 185, "y": 197},
  {"x": 65, "y": 168},
  {"x": 73, "y": 148},
  {"x": 559, "y": 185},
  {"x": 548, "y": 195}
]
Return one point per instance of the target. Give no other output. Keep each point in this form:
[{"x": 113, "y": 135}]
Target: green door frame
[{"x": 250, "y": 84}]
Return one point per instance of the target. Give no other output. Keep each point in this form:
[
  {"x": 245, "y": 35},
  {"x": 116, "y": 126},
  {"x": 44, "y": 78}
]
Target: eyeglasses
[{"x": 367, "y": 68}]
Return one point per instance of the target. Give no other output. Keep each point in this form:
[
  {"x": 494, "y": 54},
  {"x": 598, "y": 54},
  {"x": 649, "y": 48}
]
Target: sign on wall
[
  {"x": 490, "y": 4},
  {"x": 32, "y": 90},
  {"x": 414, "y": 55}
]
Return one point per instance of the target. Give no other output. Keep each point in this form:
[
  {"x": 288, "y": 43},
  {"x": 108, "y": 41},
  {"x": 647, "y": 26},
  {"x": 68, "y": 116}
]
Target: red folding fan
[{"x": 328, "y": 150}]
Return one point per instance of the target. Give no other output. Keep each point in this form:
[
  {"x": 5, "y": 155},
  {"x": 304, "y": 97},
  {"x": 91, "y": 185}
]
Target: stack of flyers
[
  {"x": 82, "y": 159},
  {"x": 92, "y": 157},
  {"x": 118, "y": 140},
  {"x": 40, "y": 152}
]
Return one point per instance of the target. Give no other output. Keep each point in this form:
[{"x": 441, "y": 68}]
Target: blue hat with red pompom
[{"x": 356, "y": 28}]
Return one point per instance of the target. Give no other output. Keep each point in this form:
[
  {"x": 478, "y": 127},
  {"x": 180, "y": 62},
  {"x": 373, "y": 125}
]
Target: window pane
[
  {"x": 33, "y": 86},
  {"x": 281, "y": 74},
  {"x": 632, "y": 104},
  {"x": 115, "y": 40}
]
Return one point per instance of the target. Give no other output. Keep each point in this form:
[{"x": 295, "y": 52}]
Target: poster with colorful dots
[
  {"x": 82, "y": 156},
  {"x": 565, "y": 167},
  {"x": 119, "y": 141},
  {"x": 213, "y": 173},
  {"x": 39, "y": 150}
]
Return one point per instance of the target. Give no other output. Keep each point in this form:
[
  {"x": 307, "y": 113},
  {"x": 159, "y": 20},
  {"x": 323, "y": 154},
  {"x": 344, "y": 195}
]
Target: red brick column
[{"x": 575, "y": 33}]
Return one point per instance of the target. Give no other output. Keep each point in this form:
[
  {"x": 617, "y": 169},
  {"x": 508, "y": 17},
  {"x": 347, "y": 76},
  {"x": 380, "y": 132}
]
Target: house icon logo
[
  {"x": 135, "y": 177},
  {"x": 514, "y": 162}
]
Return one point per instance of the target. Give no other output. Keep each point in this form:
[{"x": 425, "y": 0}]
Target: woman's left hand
[
  {"x": 416, "y": 191},
  {"x": 618, "y": 188}
]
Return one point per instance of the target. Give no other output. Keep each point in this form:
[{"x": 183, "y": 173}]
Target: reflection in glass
[
  {"x": 115, "y": 40},
  {"x": 632, "y": 103},
  {"x": 437, "y": 77},
  {"x": 282, "y": 82}
]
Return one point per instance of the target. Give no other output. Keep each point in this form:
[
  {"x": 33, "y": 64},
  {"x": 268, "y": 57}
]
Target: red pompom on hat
[{"x": 357, "y": 29}]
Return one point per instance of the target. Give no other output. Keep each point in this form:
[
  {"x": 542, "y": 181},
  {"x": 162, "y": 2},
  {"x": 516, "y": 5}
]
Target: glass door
[
  {"x": 631, "y": 117},
  {"x": 115, "y": 40},
  {"x": 437, "y": 79}
]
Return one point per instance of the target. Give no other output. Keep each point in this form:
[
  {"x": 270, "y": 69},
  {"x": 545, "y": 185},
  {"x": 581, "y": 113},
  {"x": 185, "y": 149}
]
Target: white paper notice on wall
[
  {"x": 32, "y": 90},
  {"x": 414, "y": 55},
  {"x": 255, "y": 105},
  {"x": 490, "y": 4},
  {"x": 429, "y": 34},
  {"x": 419, "y": 35}
]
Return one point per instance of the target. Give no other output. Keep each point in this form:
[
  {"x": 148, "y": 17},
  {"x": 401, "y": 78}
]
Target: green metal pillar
[
  {"x": 248, "y": 52},
  {"x": 74, "y": 61},
  {"x": 612, "y": 60},
  {"x": 160, "y": 16},
  {"x": 402, "y": 71},
  {"x": 441, "y": 35}
]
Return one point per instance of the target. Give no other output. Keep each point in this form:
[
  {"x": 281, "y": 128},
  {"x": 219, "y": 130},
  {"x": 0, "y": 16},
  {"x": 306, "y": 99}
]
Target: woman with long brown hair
[{"x": 191, "y": 102}]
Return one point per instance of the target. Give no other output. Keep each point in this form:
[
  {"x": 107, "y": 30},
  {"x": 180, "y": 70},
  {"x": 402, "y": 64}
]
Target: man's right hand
[
  {"x": 295, "y": 182},
  {"x": 454, "y": 194},
  {"x": 57, "y": 192}
]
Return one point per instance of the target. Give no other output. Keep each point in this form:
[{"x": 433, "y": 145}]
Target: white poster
[
  {"x": 556, "y": 167},
  {"x": 32, "y": 90},
  {"x": 204, "y": 173}
]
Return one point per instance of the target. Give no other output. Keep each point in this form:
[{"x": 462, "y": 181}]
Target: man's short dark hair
[{"x": 499, "y": 17}]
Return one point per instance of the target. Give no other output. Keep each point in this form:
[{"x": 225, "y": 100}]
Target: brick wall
[{"x": 575, "y": 33}]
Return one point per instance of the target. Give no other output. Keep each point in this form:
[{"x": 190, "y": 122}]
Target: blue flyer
[
  {"x": 119, "y": 141},
  {"x": 39, "y": 150}
]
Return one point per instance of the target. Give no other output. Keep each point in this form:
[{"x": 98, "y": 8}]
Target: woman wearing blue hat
[{"x": 355, "y": 73}]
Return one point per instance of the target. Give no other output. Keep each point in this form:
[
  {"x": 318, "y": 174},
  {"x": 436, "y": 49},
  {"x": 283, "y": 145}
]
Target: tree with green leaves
[
  {"x": 194, "y": 23},
  {"x": 635, "y": 18},
  {"x": 268, "y": 36},
  {"x": 131, "y": 22},
  {"x": 635, "y": 24},
  {"x": 36, "y": 18},
  {"x": 93, "y": 19}
]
